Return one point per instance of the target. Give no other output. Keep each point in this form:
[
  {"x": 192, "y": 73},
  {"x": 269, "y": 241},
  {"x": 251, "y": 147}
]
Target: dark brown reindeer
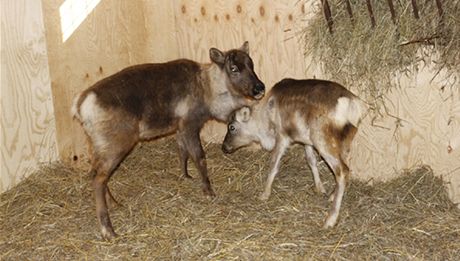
[
  {"x": 315, "y": 113},
  {"x": 147, "y": 101}
]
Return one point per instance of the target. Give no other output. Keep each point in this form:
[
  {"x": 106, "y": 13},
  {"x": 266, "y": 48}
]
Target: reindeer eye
[
  {"x": 231, "y": 128},
  {"x": 234, "y": 69}
]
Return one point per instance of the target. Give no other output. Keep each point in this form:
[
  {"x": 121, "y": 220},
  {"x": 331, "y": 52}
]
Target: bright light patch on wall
[{"x": 73, "y": 13}]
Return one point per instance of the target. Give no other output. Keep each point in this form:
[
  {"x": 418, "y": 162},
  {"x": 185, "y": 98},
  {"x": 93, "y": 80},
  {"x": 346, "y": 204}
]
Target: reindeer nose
[
  {"x": 226, "y": 149},
  {"x": 259, "y": 90}
]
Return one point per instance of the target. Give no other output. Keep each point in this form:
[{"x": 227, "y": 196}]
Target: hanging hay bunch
[
  {"x": 50, "y": 215},
  {"x": 369, "y": 45}
]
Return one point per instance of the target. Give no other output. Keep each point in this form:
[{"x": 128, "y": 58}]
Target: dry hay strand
[
  {"x": 51, "y": 215},
  {"x": 371, "y": 60}
]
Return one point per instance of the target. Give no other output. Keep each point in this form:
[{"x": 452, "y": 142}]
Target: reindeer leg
[
  {"x": 111, "y": 201},
  {"x": 313, "y": 163},
  {"x": 183, "y": 155},
  {"x": 341, "y": 171},
  {"x": 280, "y": 148},
  {"x": 102, "y": 213},
  {"x": 109, "y": 151},
  {"x": 191, "y": 139}
]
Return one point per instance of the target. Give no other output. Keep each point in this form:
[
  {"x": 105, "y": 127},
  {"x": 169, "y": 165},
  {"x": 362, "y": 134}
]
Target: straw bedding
[
  {"x": 371, "y": 60},
  {"x": 51, "y": 214}
]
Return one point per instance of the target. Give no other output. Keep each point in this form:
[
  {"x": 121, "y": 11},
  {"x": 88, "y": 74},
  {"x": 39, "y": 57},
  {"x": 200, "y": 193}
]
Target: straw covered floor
[{"x": 51, "y": 214}]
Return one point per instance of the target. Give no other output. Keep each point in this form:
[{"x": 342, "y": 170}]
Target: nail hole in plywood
[
  {"x": 183, "y": 9},
  {"x": 261, "y": 10},
  {"x": 203, "y": 11},
  {"x": 227, "y": 16},
  {"x": 239, "y": 9}
]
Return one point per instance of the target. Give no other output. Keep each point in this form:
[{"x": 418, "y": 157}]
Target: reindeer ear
[
  {"x": 243, "y": 114},
  {"x": 245, "y": 47},
  {"x": 217, "y": 56}
]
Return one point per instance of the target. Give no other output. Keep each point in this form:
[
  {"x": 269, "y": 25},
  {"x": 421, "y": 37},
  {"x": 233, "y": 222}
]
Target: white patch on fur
[
  {"x": 222, "y": 105},
  {"x": 340, "y": 114},
  {"x": 302, "y": 128},
  {"x": 222, "y": 102},
  {"x": 348, "y": 111},
  {"x": 89, "y": 109},
  {"x": 182, "y": 108},
  {"x": 91, "y": 113},
  {"x": 267, "y": 139},
  {"x": 356, "y": 111},
  {"x": 264, "y": 126}
]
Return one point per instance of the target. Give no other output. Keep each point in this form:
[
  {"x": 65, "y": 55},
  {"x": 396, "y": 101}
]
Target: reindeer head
[
  {"x": 241, "y": 131},
  {"x": 239, "y": 69}
]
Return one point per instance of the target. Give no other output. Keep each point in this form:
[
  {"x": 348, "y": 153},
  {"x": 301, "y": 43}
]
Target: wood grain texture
[
  {"x": 27, "y": 116},
  {"x": 424, "y": 131},
  {"x": 271, "y": 27},
  {"x": 111, "y": 38},
  {"x": 160, "y": 32}
]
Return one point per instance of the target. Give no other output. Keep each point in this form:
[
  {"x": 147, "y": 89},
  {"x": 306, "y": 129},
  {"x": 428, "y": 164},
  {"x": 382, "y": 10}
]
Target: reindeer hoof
[
  {"x": 108, "y": 234},
  {"x": 114, "y": 204},
  {"x": 328, "y": 225},
  {"x": 209, "y": 192},
  {"x": 264, "y": 196},
  {"x": 331, "y": 221},
  {"x": 187, "y": 176},
  {"x": 321, "y": 190}
]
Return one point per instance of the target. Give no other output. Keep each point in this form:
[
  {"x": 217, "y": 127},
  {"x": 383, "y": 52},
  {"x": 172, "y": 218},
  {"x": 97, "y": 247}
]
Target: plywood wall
[
  {"x": 422, "y": 128},
  {"x": 27, "y": 116},
  {"x": 112, "y": 37},
  {"x": 271, "y": 27}
]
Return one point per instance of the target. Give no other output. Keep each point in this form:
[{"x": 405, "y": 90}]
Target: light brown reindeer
[
  {"x": 147, "y": 101},
  {"x": 316, "y": 113}
]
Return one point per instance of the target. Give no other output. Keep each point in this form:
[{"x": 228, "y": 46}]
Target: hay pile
[
  {"x": 371, "y": 59},
  {"x": 51, "y": 216}
]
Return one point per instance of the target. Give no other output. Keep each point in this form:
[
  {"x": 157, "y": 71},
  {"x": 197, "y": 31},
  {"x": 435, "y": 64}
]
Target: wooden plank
[
  {"x": 429, "y": 133},
  {"x": 271, "y": 27},
  {"x": 111, "y": 37},
  {"x": 160, "y": 32},
  {"x": 27, "y": 116}
]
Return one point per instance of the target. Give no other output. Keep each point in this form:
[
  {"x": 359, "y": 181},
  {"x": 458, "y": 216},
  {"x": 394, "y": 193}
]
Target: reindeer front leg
[
  {"x": 277, "y": 154},
  {"x": 189, "y": 138}
]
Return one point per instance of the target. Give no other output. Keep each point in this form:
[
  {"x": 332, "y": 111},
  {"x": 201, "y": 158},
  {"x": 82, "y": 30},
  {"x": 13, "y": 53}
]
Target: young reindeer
[
  {"x": 147, "y": 101},
  {"x": 315, "y": 113}
]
